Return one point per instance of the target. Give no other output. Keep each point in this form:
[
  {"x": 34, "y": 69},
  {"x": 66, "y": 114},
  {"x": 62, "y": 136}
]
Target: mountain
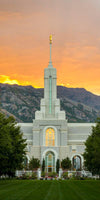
[
  {"x": 22, "y": 102},
  {"x": 80, "y": 95}
]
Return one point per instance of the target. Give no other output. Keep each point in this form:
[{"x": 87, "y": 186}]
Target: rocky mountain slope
[
  {"x": 22, "y": 102},
  {"x": 80, "y": 95}
]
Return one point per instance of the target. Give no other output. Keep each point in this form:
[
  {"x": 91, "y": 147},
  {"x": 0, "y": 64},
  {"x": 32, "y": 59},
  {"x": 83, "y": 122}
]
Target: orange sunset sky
[{"x": 25, "y": 26}]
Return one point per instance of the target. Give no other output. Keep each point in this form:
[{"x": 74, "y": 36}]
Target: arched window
[
  {"x": 76, "y": 162},
  {"x": 50, "y": 162},
  {"x": 50, "y": 137}
]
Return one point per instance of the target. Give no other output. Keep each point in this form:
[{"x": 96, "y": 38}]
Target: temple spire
[{"x": 50, "y": 61}]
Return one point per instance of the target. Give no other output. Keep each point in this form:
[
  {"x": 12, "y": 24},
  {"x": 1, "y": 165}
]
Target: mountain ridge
[{"x": 22, "y": 102}]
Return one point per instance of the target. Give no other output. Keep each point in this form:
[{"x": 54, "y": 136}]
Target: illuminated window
[
  {"x": 50, "y": 137},
  {"x": 50, "y": 162}
]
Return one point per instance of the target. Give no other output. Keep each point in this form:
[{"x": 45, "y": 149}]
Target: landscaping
[{"x": 49, "y": 190}]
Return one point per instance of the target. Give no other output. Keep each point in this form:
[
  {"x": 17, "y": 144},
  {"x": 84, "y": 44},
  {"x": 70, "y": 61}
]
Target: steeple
[
  {"x": 50, "y": 61},
  {"x": 50, "y": 105}
]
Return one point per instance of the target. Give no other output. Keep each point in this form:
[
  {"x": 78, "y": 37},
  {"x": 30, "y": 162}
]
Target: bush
[
  {"x": 43, "y": 174},
  {"x": 66, "y": 163},
  {"x": 34, "y": 163},
  {"x": 77, "y": 176},
  {"x": 57, "y": 165},
  {"x": 52, "y": 174},
  {"x": 25, "y": 176},
  {"x": 43, "y": 165},
  {"x": 65, "y": 175},
  {"x": 34, "y": 176}
]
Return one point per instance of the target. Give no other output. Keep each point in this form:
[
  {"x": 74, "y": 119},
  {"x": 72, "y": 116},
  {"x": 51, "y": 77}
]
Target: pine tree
[
  {"x": 92, "y": 150},
  {"x": 57, "y": 165},
  {"x": 66, "y": 163},
  {"x": 12, "y": 146},
  {"x": 43, "y": 165},
  {"x": 34, "y": 163}
]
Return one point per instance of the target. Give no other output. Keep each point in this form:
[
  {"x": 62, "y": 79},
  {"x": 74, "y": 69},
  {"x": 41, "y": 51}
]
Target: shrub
[
  {"x": 66, "y": 163},
  {"x": 52, "y": 174},
  {"x": 34, "y": 176},
  {"x": 25, "y": 176},
  {"x": 57, "y": 165},
  {"x": 43, "y": 165},
  {"x": 34, "y": 163},
  {"x": 43, "y": 174},
  {"x": 65, "y": 175}
]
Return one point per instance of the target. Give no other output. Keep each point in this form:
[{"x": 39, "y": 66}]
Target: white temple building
[{"x": 50, "y": 136}]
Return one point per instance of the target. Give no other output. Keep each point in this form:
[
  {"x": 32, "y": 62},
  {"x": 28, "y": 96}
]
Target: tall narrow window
[
  {"x": 77, "y": 162},
  {"x": 50, "y": 162},
  {"x": 50, "y": 137}
]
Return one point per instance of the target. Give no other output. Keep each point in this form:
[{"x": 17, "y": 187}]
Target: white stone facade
[
  {"x": 69, "y": 138},
  {"x": 50, "y": 136}
]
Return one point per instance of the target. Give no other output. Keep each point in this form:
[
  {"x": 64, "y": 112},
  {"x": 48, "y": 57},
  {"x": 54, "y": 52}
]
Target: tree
[
  {"x": 66, "y": 163},
  {"x": 25, "y": 163},
  {"x": 12, "y": 146},
  {"x": 43, "y": 165},
  {"x": 34, "y": 163},
  {"x": 92, "y": 150},
  {"x": 57, "y": 165}
]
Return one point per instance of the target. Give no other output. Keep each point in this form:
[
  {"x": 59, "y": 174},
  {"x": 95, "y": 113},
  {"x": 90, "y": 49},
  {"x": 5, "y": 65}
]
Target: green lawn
[{"x": 49, "y": 190}]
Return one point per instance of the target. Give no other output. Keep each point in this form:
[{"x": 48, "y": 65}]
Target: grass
[{"x": 49, "y": 190}]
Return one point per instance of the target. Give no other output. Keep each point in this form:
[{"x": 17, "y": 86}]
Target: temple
[{"x": 50, "y": 136}]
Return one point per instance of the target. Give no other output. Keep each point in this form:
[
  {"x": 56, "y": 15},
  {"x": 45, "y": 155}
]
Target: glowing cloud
[{"x": 6, "y": 79}]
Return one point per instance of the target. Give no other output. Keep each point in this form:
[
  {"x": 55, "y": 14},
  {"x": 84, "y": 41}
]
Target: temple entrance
[
  {"x": 76, "y": 161},
  {"x": 50, "y": 162}
]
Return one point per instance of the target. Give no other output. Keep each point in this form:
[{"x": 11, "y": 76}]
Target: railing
[{"x": 22, "y": 172}]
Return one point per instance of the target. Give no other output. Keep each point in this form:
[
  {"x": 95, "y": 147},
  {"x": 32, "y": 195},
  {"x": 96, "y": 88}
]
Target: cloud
[
  {"x": 22, "y": 6},
  {"x": 6, "y": 79}
]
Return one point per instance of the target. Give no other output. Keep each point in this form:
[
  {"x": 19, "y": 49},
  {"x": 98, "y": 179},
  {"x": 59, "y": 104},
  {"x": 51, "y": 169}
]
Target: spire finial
[
  {"x": 50, "y": 38},
  {"x": 50, "y": 61}
]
